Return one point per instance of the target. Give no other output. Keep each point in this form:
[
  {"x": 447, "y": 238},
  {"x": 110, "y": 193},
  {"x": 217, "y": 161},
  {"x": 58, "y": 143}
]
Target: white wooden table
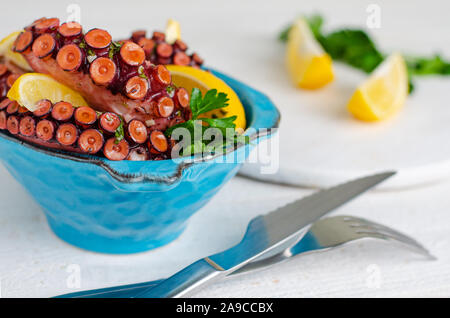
[{"x": 34, "y": 263}]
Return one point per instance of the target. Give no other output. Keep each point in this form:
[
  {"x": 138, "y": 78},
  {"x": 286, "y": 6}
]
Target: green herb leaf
[
  {"x": 168, "y": 132},
  {"x": 355, "y": 48},
  {"x": 350, "y": 46},
  {"x": 170, "y": 90},
  {"x": 196, "y": 99},
  {"x": 119, "y": 133},
  {"x": 212, "y": 100},
  {"x": 284, "y": 34},
  {"x": 196, "y": 147},
  {"x": 194, "y": 127},
  {"x": 221, "y": 123},
  {"x": 114, "y": 48},
  {"x": 141, "y": 72},
  {"x": 200, "y": 105},
  {"x": 427, "y": 66},
  {"x": 315, "y": 24}
]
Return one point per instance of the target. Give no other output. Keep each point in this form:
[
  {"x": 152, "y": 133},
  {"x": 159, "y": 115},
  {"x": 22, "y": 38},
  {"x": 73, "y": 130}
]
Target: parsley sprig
[
  {"x": 198, "y": 125},
  {"x": 355, "y": 48},
  {"x": 119, "y": 134},
  {"x": 114, "y": 48}
]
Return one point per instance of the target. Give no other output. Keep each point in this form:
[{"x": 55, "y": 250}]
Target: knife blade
[{"x": 264, "y": 234}]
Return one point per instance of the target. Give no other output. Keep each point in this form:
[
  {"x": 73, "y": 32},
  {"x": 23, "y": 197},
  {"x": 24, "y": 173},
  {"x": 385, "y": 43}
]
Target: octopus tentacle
[
  {"x": 126, "y": 84},
  {"x": 84, "y": 130},
  {"x": 111, "y": 76},
  {"x": 158, "y": 51},
  {"x": 7, "y": 78}
]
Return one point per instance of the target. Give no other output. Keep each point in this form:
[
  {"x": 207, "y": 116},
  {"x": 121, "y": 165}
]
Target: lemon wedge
[
  {"x": 384, "y": 93},
  {"x": 29, "y": 88},
  {"x": 173, "y": 31},
  {"x": 190, "y": 77},
  {"x": 309, "y": 65},
  {"x": 7, "y": 52}
]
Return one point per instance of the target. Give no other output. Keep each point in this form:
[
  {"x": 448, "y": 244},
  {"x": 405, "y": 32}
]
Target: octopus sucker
[
  {"x": 132, "y": 99},
  {"x": 83, "y": 130},
  {"x": 112, "y": 76},
  {"x": 159, "y": 51}
]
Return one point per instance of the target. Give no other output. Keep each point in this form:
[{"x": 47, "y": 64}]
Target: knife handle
[{"x": 185, "y": 281}]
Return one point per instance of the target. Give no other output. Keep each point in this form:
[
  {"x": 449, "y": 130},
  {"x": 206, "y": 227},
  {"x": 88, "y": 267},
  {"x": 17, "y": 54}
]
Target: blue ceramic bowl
[{"x": 127, "y": 206}]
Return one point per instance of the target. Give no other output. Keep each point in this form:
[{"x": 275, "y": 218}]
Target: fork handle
[{"x": 185, "y": 281}]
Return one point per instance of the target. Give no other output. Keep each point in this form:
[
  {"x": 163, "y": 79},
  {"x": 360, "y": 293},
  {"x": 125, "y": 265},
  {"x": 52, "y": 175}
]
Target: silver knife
[{"x": 264, "y": 235}]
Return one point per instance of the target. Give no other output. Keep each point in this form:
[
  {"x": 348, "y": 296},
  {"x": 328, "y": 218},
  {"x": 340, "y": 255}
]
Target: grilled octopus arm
[{"x": 111, "y": 76}]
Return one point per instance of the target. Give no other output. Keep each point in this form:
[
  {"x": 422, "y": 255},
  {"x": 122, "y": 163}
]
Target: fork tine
[
  {"x": 411, "y": 244},
  {"x": 364, "y": 226},
  {"x": 392, "y": 232},
  {"x": 383, "y": 229},
  {"x": 379, "y": 227}
]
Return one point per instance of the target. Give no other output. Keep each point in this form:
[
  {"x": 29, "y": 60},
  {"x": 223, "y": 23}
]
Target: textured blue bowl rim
[{"x": 263, "y": 126}]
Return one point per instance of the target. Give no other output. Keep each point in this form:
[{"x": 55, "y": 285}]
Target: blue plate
[{"x": 129, "y": 206}]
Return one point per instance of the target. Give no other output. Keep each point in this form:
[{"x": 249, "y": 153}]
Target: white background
[{"x": 239, "y": 38}]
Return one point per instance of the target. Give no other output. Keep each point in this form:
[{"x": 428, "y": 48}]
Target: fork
[
  {"x": 325, "y": 234},
  {"x": 333, "y": 232}
]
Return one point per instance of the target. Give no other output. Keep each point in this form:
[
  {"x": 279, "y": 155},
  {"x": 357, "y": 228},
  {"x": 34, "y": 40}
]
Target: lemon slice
[
  {"x": 190, "y": 77},
  {"x": 29, "y": 88},
  {"x": 309, "y": 65},
  {"x": 384, "y": 93},
  {"x": 173, "y": 31},
  {"x": 6, "y": 51}
]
